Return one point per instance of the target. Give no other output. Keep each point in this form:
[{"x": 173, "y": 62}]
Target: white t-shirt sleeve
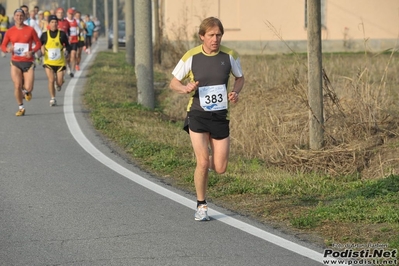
[
  {"x": 236, "y": 69},
  {"x": 182, "y": 69},
  {"x": 34, "y": 25}
]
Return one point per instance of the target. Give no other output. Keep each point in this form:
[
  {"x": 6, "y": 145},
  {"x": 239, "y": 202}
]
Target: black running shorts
[
  {"x": 215, "y": 123},
  {"x": 55, "y": 68},
  {"x": 23, "y": 66},
  {"x": 73, "y": 47}
]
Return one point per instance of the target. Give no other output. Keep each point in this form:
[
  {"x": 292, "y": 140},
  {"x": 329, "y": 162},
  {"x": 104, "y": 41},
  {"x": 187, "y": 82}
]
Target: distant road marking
[{"x": 77, "y": 133}]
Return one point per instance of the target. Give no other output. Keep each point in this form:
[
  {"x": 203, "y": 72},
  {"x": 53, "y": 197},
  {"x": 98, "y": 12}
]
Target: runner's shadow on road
[
  {"x": 54, "y": 112},
  {"x": 217, "y": 217}
]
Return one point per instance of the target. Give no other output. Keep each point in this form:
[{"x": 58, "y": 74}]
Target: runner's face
[
  {"x": 19, "y": 18},
  {"x": 26, "y": 11},
  {"x": 60, "y": 14},
  {"x": 53, "y": 24},
  {"x": 211, "y": 40}
]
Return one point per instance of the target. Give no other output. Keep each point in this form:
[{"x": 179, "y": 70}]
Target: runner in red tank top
[
  {"x": 63, "y": 24},
  {"x": 73, "y": 40},
  {"x": 21, "y": 38}
]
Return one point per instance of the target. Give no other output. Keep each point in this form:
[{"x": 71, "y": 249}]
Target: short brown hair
[{"x": 209, "y": 23}]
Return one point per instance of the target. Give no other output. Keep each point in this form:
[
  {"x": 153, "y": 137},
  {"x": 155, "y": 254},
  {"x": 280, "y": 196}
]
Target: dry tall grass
[
  {"x": 360, "y": 108},
  {"x": 271, "y": 120}
]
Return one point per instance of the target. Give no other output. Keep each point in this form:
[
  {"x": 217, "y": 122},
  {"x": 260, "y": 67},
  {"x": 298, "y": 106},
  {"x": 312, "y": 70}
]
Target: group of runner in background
[{"x": 53, "y": 38}]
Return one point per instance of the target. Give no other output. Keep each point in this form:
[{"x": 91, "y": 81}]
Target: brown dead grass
[
  {"x": 271, "y": 123},
  {"x": 360, "y": 112}
]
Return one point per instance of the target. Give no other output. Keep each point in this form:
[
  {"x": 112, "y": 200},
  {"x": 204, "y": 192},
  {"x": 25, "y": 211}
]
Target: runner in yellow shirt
[
  {"x": 81, "y": 43},
  {"x": 54, "y": 42},
  {"x": 4, "y": 25}
]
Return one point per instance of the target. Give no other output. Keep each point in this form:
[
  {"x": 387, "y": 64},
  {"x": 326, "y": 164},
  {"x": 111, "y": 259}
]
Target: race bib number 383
[{"x": 213, "y": 98}]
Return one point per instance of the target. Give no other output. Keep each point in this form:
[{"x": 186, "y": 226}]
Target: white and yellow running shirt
[
  {"x": 212, "y": 72},
  {"x": 4, "y": 23},
  {"x": 53, "y": 55}
]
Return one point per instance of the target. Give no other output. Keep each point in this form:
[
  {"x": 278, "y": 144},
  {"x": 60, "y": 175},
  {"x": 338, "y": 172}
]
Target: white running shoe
[
  {"x": 201, "y": 213},
  {"x": 53, "y": 102},
  {"x": 68, "y": 70},
  {"x": 58, "y": 88}
]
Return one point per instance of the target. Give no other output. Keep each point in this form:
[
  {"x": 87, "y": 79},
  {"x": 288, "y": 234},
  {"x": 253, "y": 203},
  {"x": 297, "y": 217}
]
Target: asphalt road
[{"x": 67, "y": 199}]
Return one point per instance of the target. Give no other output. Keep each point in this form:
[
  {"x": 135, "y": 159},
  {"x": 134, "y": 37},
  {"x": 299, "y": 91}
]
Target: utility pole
[
  {"x": 94, "y": 8},
  {"x": 315, "y": 87},
  {"x": 129, "y": 19},
  {"x": 106, "y": 18},
  {"x": 115, "y": 30},
  {"x": 143, "y": 53},
  {"x": 157, "y": 33}
]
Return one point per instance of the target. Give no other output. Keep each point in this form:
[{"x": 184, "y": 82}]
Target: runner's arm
[
  {"x": 4, "y": 43},
  {"x": 238, "y": 84},
  {"x": 43, "y": 40},
  {"x": 179, "y": 87},
  {"x": 64, "y": 40},
  {"x": 237, "y": 87},
  {"x": 37, "y": 42}
]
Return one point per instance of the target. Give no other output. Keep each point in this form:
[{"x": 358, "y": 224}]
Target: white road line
[{"x": 77, "y": 133}]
